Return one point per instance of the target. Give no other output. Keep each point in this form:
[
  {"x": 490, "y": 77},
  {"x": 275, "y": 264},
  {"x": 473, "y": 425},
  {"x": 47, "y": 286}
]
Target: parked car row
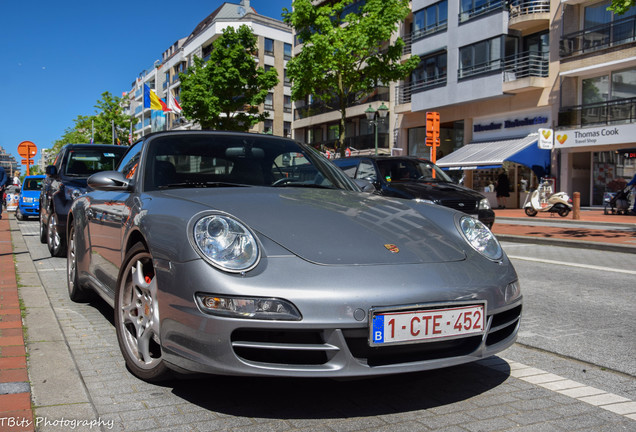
[{"x": 248, "y": 254}]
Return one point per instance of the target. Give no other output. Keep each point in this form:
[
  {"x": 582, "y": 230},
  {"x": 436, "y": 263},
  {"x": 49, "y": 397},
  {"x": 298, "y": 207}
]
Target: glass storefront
[{"x": 611, "y": 171}]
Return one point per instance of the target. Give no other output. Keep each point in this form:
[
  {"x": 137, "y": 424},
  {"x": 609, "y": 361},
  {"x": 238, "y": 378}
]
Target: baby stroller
[{"x": 617, "y": 202}]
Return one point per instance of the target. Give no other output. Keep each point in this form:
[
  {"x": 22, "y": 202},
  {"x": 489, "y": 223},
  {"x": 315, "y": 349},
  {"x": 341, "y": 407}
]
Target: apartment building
[
  {"x": 596, "y": 136},
  {"x": 274, "y": 49},
  {"x": 487, "y": 68},
  {"x": 499, "y": 71}
]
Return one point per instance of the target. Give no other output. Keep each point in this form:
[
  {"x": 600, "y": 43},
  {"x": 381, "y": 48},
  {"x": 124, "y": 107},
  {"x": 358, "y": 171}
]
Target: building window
[
  {"x": 286, "y": 80},
  {"x": 287, "y": 51},
  {"x": 269, "y": 101},
  {"x": 287, "y": 104},
  {"x": 482, "y": 57},
  {"x": 268, "y": 126},
  {"x": 269, "y": 46},
  {"x": 469, "y": 9},
  {"x": 333, "y": 132},
  {"x": 287, "y": 129},
  {"x": 430, "y": 20},
  {"x": 430, "y": 72},
  {"x": 617, "y": 85}
]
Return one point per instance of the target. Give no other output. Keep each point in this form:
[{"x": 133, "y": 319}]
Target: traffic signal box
[{"x": 432, "y": 134}]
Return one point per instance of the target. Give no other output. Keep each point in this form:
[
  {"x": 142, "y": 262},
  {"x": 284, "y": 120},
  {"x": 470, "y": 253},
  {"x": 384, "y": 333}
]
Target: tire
[
  {"x": 54, "y": 239},
  {"x": 563, "y": 212},
  {"x": 18, "y": 214},
  {"x": 76, "y": 292},
  {"x": 43, "y": 231},
  {"x": 137, "y": 316},
  {"x": 530, "y": 211}
]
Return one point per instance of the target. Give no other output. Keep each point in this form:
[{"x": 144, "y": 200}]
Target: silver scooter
[{"x": 543, "y": 199}]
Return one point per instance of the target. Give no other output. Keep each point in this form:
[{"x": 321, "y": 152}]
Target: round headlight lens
[
  {"x": 480, "y": 238},
  {"x": 226, "y": 243}
]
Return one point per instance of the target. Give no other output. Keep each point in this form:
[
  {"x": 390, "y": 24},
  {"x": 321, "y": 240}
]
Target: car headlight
[
  {"x": 72, "y": 193},
  {"x": 480, "y": 238},
  {"x": 248, "y": 307},
  {"x": 226, "y": 243},
  {"x": 484, "y": 204}
]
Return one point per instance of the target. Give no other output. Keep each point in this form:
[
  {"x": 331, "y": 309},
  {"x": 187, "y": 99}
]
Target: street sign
[
  {"x": 27, "y": 150},
  {"x": 432, "y": 134}
]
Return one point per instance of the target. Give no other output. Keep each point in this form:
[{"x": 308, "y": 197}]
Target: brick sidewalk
[
  {"x": 15, "y": 393},
  {"x": 593, "y": 227}
]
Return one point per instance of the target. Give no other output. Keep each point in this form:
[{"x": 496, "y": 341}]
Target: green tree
[
  {"x": 225, "y": 92},
  {"x": 109, "y": 112},
  {"x": 346, "y": 51},
  {"x": 619, "y": 7}
]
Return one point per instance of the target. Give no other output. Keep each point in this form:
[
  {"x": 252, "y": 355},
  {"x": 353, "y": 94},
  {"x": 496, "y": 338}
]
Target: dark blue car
[{"x": 29, "y": 204}]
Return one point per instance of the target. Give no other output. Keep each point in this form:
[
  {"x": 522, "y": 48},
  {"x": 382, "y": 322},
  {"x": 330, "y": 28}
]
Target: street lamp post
[{"x": 375, "y": 117}]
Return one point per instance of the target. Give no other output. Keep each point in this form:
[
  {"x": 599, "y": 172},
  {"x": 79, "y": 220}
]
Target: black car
[
  {"x": 410, "y": 177},
  {"x": 66, "y": 180}
]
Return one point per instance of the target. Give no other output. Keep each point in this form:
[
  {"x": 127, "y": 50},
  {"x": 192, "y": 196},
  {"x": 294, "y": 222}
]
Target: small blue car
[{"x": 29, "y": 204}]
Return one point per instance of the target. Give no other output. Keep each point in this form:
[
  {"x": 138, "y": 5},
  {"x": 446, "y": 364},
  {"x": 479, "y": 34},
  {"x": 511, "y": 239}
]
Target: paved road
[{"x": 78, "y": 376}]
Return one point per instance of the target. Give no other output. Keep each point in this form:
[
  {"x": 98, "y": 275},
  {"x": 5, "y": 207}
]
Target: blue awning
[{"x": 492, "y": 154}]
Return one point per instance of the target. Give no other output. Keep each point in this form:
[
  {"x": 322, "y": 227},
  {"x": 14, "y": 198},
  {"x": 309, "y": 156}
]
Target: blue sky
[{"x": 57, "y": 58}]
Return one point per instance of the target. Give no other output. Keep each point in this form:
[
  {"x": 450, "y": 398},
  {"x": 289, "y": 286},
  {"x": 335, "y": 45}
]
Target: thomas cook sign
[{"x": 605, "y": 135}]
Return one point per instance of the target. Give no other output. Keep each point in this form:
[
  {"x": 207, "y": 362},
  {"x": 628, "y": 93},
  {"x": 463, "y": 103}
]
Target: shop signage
[
  {"x": 546, "y": 139},
  {"x": 512, "y": 125},
  {"x": 606, "y": 135}
]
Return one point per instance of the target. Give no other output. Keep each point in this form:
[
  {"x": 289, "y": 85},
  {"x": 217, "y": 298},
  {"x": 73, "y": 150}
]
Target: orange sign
[
  {"x": 432, "y": 134},
  {"x": 27, "y": 150}
]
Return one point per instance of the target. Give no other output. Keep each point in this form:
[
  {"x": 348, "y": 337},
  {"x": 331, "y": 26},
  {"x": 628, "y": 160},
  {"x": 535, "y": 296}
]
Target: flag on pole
[
  {"x": 173, "y": 104},
  {"x": 152, "y": 101}
]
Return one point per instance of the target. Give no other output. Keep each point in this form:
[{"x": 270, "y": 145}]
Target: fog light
[
  {"x": 513, "y": 290},
  {"x": 248, "y": 307}
]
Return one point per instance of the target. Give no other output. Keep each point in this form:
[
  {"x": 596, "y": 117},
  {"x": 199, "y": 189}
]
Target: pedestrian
[
  {"x": 16, "y": 178},
  {"x": 502, "y": 187},
  {"x": 3, "y": 182},
  {"x": 632, "y": 183}
]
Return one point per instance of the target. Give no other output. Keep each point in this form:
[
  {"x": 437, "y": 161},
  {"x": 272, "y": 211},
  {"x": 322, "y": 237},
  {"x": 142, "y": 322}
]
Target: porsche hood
[{"x": 333, "y": 227}]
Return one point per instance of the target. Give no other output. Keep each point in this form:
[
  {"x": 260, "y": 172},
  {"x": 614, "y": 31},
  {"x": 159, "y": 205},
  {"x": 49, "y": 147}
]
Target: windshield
[
  {"x": 218, "y": 160},
  {"x": 32, "y": 184},
  {"x": 408, "y": 170},
  {"x": 84, "y": 162}
]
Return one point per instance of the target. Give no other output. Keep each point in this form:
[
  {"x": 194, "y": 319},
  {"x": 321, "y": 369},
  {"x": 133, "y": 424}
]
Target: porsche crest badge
[{"x": 392, "y": 248}]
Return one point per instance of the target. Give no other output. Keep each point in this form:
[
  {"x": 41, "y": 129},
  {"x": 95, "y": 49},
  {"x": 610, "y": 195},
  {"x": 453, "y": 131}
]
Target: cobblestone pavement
[{"x": 78, "y": 380}]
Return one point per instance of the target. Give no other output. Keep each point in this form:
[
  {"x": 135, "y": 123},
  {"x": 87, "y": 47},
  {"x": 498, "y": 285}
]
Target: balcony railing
[
  {"x": 480, "y": 68},
  {"x": 408, "y": 42},
  {"x": 482, "y": 9},
  {"x": 404, "y": 92},
  {"x": 600, "y": 113},
  {"x": 528, "y": 7},
  {"x": 319, "y": 107},
  {"x": 599, "y": 37},
  {"x": 527, "y": 64}
]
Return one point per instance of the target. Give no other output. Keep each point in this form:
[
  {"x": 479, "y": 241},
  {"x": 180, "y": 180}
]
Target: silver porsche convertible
[{"x": 247, "y": 254}]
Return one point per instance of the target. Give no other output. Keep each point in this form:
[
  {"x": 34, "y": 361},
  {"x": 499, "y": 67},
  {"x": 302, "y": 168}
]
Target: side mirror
[
  {"x": 50, "y": 170},
  {"x": 365, "y": 185},
  {"x": 108, "y": 181}
]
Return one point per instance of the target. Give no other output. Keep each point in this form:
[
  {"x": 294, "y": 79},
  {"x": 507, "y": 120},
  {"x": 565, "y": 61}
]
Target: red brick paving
[
  {"x": 624, "y": 236},
  {"x": 15, "y": 408}
]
